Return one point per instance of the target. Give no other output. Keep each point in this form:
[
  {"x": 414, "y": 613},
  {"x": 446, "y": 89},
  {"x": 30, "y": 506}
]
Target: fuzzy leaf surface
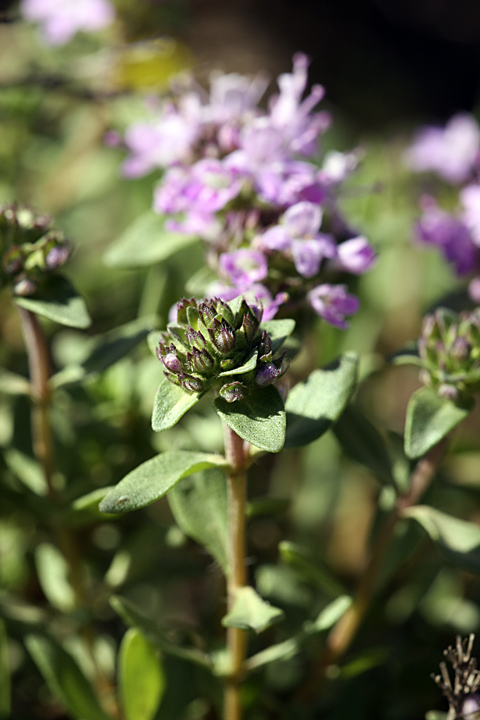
[
  {"x": 141, "y": 677},
  {"x": 154, "y": 478},
  {"x": 58, "y": 301},
  {"x": 312, "y": 406},
  {"x": 199, "y": 506},
  {"x": 429, "y": 419},
  {"x": 146, "y": 241},
  {"x": 251, "y": 612},
  {"x": 279, "y": 331},
  {"x": 459, "y": 540},
  {"x": 259, "y": 418},
  {"x": 170, "y": 404}
]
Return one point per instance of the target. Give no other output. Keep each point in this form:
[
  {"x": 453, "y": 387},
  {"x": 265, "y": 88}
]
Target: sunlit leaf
[
  {"x": 170, "y": 404},
  {"x": 312, "y": 406},
  {"x": 429, "y": 419},
  {"x": 279, "y": 331},
  {"x": 259, "y": 419},
  {"x": 53, "y": 573},
  {"x": 154, "y": 478},
  {"x": 59, "y": 301},
  {"x": 251, "y": 612},
  {"x": 141, "y": 677}
]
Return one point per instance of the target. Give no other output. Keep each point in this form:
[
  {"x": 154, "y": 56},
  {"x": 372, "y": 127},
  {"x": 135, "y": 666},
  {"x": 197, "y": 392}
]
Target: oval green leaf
[
  {"x": 429, "y": 419},
  {"x": 259, "y": 419},
  {"x": 58, "y": 301},
  {"x": 141, "y": 677},
  {"x": 154, "y": 478},
  {"x": 170, "y": 404},
  {"x": 312, "y": 406}
]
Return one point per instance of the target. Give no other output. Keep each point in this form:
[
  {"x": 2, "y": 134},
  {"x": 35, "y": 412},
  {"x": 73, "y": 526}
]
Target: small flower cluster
[
  {"x": 30, "y": 249},
  {"x": 242, "y": 178},
  {"x": 453, "y": 153},
  {"x": 213, "y": 344},
  {"x": 463, "y": 693},
  {"x": 449, "y": 349},
  {"x": 60, "y": 20}
]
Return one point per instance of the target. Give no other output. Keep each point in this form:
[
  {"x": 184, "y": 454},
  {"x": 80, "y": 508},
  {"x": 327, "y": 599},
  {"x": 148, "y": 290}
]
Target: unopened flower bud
[
  {"x": 222, "y": 337},
  {"x": 233, "y": 391},
  {"x": 172, "y": 363},
  {"x": 192, "y": 384}
]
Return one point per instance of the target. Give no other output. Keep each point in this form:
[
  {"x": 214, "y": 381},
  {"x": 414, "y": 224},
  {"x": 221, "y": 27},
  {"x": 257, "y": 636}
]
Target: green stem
[{"x": 236, "y": 638}]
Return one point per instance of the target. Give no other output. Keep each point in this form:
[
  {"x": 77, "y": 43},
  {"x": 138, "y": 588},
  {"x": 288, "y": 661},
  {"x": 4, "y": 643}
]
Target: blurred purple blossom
[
  {"x": 243, "y": 267},
  {"x": 333, "y": 303},
  {"x": 356, "y": 256},
  {"x": 60, "y": 20},
  {"x": 451, "y": 152}
]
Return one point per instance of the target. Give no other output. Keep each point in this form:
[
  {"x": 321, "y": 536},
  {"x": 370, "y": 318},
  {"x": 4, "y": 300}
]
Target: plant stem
[
  {"x": 237, "y": 494},
  {"x": 344, "y": 631}
]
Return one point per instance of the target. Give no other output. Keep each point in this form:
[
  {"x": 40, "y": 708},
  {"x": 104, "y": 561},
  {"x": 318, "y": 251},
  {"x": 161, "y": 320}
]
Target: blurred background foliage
[{"x": 387, "y": 66}]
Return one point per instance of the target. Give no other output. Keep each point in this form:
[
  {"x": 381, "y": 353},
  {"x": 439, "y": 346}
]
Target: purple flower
[
  {"x": 62, "y": 19},
  {"x": 450, "y": 234},
  {"x": 470, "y": 199},
  {"x": 255, "y": 293},
  {"x": 451, "y": 152},
  {"x": 333, "y": 303},
  {"x": 356, "y": 256},
  {"x": 244, "y": 267}
]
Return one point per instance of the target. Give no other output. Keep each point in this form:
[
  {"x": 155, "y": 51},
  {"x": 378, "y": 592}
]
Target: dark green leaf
[
  {"x": 267, "y": 506},
  {"x": 154, "y": 478},
  {"x": 133, "y": 617},
  {"x": 104, "y": 351},
  {"x": 251, "y": 612},
  {"x": 259, "y": 419},
  {"x": 5, "y": 688},
  {"x": 65, "y": 679},
  {"x": 146, "y": 241},
  {"x": 312, "y": 406},
  {"x": 199, "y": 506},
  {"x": 459, "y": 540},
  {"x": 309, "y": 569},
  {"x": 363, "y": 443},
  {"x": 429, "y": 419},
  {"x": 58, "y": 301},
  {"x": 141, "y": 677},
  {"x": 170, "y": 404},
  {"x": 278, "y": 330}
]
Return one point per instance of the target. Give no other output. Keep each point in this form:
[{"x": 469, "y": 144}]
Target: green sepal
[
  {"x": 312, "y": 406},
  {"x": 248, "y": 366},
  {"x": 141, "y": 678},
  {"x": 154, "y": 478},
  {"x": 458, "y": 540},
  {"x": 429, "y": 419},
  {"x": 145, "y": 242},
  {"x": 170, "y": 404},
  {"x": 134, "y": 617},
  {"x": 199, "y": 506},
  {"x": 259, "y": 419},
  {"x": 251, "y": 612},
  {"x": 58, "y": 300},
  {"x": 64, "y": 678}
]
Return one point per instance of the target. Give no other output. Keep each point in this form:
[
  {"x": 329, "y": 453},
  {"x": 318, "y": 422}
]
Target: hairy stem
[{"x": 236, "y": 638}]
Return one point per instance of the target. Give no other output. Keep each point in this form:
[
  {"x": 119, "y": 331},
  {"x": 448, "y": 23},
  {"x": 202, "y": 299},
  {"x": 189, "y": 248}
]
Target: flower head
[{"x": 60, "y": 20}]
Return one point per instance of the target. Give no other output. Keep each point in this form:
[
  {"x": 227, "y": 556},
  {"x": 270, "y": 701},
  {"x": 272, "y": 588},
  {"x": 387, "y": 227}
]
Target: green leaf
[
  {"x": 312, "y": 406},
  {"x": 85, "y": 509},
  {"x": 170, "y": 404},
  {"x": 199, "y": 506},
  {"x": 251, "y": 612},
  {"x": 13, "y": 384},
  {"x": 5, "y": 686},
  {"x": 64, "y": 678},
  {"x": 104, "y": 351},
  {"x": 27, "y": 470},
  {"x": 310, "y": 570},
  {"x": 146, "y": 241},
  {"x": 331, "y": 614},
  {"x": 437, "y": 715},
  {"x": 249, "y": 365},
  {"x": 154, "y": 478},
  {"x": 278, "y": 330},
  {"x": 259, "y": 419},
  {"x": 429, "y": 419},
  {"x": 134, "y": 617},
  {"x": 459, "y": 540},
  {"x": 141, "y": 677},
  {"x": 58, "y": 301},
  {"x": 53, "y": 572},
  {"x": 364, "y": 444}
]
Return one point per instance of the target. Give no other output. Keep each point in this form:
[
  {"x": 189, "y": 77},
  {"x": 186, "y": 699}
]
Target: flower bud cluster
[
  {"x": 210, "y": 340},
  {"x": 450, "y": 350},
  {"x": 30, "y": 249}
]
